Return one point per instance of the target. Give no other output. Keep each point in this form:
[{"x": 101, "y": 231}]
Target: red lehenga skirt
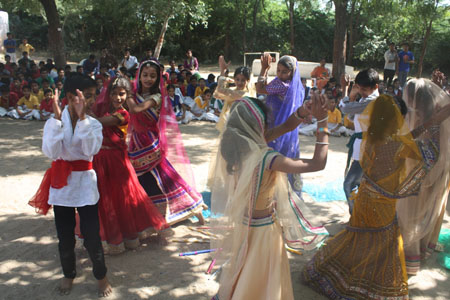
[{"x": 125, "y": 211}]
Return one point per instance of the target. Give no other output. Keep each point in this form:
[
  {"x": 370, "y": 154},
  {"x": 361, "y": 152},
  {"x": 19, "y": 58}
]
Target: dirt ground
[{"x": 29, "y": 264}]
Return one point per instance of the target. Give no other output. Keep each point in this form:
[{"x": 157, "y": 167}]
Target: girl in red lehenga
[
  {"x": 125, "y": 212},
  {"x": 156, "y": 149}
]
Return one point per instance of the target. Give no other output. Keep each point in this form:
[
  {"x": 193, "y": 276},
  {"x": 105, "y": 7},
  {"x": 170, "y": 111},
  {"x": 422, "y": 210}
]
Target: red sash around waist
[
  {"x": 61, "y": 170},
  {"x": 56, "y": 177}
]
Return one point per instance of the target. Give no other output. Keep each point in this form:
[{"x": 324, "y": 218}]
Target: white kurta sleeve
[
  {"x": 53, "y": 138},
  {"x": 88, "y": 133}
]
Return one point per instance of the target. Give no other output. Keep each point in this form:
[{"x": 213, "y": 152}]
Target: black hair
[
  {"x": 170, "y": 86},
  {"x": 24, "y": 52},
  {"x": 67, "y": 67},
  {"x": 127, "y": 49},
  {"x": 120, "y": 82},
  {"x": 45, "y": 80},
  {"x": 193, "y": 78},
  {"x": 202, "y": 79},
  {"x": 207, "y": 91},
  {"x": 173, "y": 72},
  {"x": 60, "y": 69},
  {"x": 332, "y": 79},
  {"x": 34, "y": 81},
  {"x": 43, "y": 69},
  {"x": 244, "y": 71},
  {"x": 48, "y": 91},
  {"x": 180, "y": 65},
  {"x": 123, "y": 70},
  {"x": 92, "y": 56},
  {"x": 211, "y": 77},
  {"x": 26, "y": 87},
  {"x": 401, "y": 105},
  {"x": 4, "y": 89},
  {"x": 367, "y": 78},
  {"x": 79, "y": 67},
  {"x": 76, "y": 81},
  {"x": 155, "y": 88},
  {"x": 7, "y": 56}
]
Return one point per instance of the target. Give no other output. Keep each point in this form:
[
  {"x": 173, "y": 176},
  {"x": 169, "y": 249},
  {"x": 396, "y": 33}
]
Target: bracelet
[
  {"x": 323, "y": 129},
  {"x": 261, "y": 78},
  {"x": 321, "y": 143},
  {"x": 325, "y": 119},
  {"x": 297, "y": 115}
]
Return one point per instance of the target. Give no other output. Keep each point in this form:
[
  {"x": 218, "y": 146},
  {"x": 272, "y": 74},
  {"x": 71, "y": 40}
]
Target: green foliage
[{"x": 213, "y": 27}]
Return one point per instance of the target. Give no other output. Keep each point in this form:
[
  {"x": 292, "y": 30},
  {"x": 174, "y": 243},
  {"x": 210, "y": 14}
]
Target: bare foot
[
  {"x": 104, "y": 288},
  {"x": 162, "y": 240},
  {"x": 65, "y": 287},
  {"x": 201, "y": 220}
]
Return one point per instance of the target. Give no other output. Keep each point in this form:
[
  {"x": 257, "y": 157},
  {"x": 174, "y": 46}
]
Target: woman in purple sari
[{"x": 284, "y": 95}]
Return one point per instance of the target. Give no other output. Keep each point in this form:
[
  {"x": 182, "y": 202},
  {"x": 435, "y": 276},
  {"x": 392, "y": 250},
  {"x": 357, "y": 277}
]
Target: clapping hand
[
  {"x": 266, "y": 59},
  {"x": 319, "y": 106},
  {"x": 55, "y": 104},
  {"x": 80, "y": 105},
  {"x": 223, "y": 65}
]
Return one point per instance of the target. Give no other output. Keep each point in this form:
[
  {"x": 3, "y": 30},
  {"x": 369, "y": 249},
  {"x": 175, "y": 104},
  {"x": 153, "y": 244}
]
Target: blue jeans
[
  {"x": 351, "y": 181},
  {"x": 402, "y": 77}
]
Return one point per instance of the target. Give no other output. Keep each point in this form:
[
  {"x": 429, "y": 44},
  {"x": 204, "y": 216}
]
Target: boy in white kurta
[{"x": 71, "y": 139}]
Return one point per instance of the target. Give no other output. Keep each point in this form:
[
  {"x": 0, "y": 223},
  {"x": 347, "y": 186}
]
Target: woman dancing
[
  {"x": 156, "y": 149},
  {"x": 253, "y": 201},
  {"x": 366, "y": 260}
]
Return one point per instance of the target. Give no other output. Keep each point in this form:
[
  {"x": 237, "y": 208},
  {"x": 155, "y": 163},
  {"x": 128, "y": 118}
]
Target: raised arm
[
  {"x": 266, "y": 59},
  {"x": 319, "y": 160}
]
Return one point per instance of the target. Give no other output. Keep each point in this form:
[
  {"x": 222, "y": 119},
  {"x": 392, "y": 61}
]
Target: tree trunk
[
  {"x": 55, "y": 39},
  {"x": 351, "y": 33},
  {"x": 291, "y": 24},
  {"x": 340, "y": 38},
  {"x": 227, "y": 45},
  {"x": 255, "y": 14},
  {"x": 161, "y": 37}
]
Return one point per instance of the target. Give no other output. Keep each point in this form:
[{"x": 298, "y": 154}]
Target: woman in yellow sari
[{"x": 366, "y": 260}]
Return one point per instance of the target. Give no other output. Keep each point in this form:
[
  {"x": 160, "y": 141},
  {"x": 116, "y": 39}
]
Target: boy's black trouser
[{"x": 90, "y": 229}]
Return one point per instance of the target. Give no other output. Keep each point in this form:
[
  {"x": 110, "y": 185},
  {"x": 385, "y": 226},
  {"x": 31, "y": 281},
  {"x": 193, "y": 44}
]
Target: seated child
[
  {"x": 60, "y": 87},
  {"x": 180, "y": 88},
  {"x": 35, "y": 73},
  {"x": 201, "y": 109},
  {"x": 27, "y": 107},
  {"x": 201, "y": 88},
  {"x": 218, "y": 105},
  {"x": 46, "y": 108},
  {"x": 191, "y": 88},
  {"x": 172, "y": 79},
  {"x": 335, "y": 120},
  {"x": 16, "y": 87},
  {"x": 211, "y": 83},
  {"x": 36, "y": 91},
  {"x": 99, "y": 84},
  {"x": 8, "y": 100},
  {"x": 46, "y": 84},
  {"x": 390, "y": 90},
  {"x": 397, "y": 88},
  {"x": 177, "y": 103}
]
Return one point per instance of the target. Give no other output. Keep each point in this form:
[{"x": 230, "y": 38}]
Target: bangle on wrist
[
  {"x": 323, "y": 129},
  {"x": 322, "y": 143},
  {"x": 324, "y": 119}
]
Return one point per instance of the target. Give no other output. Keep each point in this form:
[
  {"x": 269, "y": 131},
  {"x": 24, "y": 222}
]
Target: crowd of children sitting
[{"x": 26, "y": 87}]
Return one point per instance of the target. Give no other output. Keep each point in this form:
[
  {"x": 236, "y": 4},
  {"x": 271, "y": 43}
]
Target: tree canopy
[{"x": 213, "y": 27}]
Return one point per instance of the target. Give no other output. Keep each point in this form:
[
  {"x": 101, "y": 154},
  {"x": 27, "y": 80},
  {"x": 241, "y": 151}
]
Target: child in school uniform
[
  {"x": 8, "y": 100},
  {"x": 71, "y": 139},
  {"x": 46, "y": 107},
  {"x": 201, "y": 88},
  {"x": 27, "y": 107}
]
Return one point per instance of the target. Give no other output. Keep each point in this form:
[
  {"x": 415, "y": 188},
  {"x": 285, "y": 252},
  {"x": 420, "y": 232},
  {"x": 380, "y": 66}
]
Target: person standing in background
[
  {"x": 406, "y": 59},
  {"x": 390, "y": 64}
]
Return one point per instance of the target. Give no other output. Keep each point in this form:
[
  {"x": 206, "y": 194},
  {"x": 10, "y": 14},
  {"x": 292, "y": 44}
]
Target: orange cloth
[
  {"x": 322, "y": 74},
  {"x": 334, "y": 116}
]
